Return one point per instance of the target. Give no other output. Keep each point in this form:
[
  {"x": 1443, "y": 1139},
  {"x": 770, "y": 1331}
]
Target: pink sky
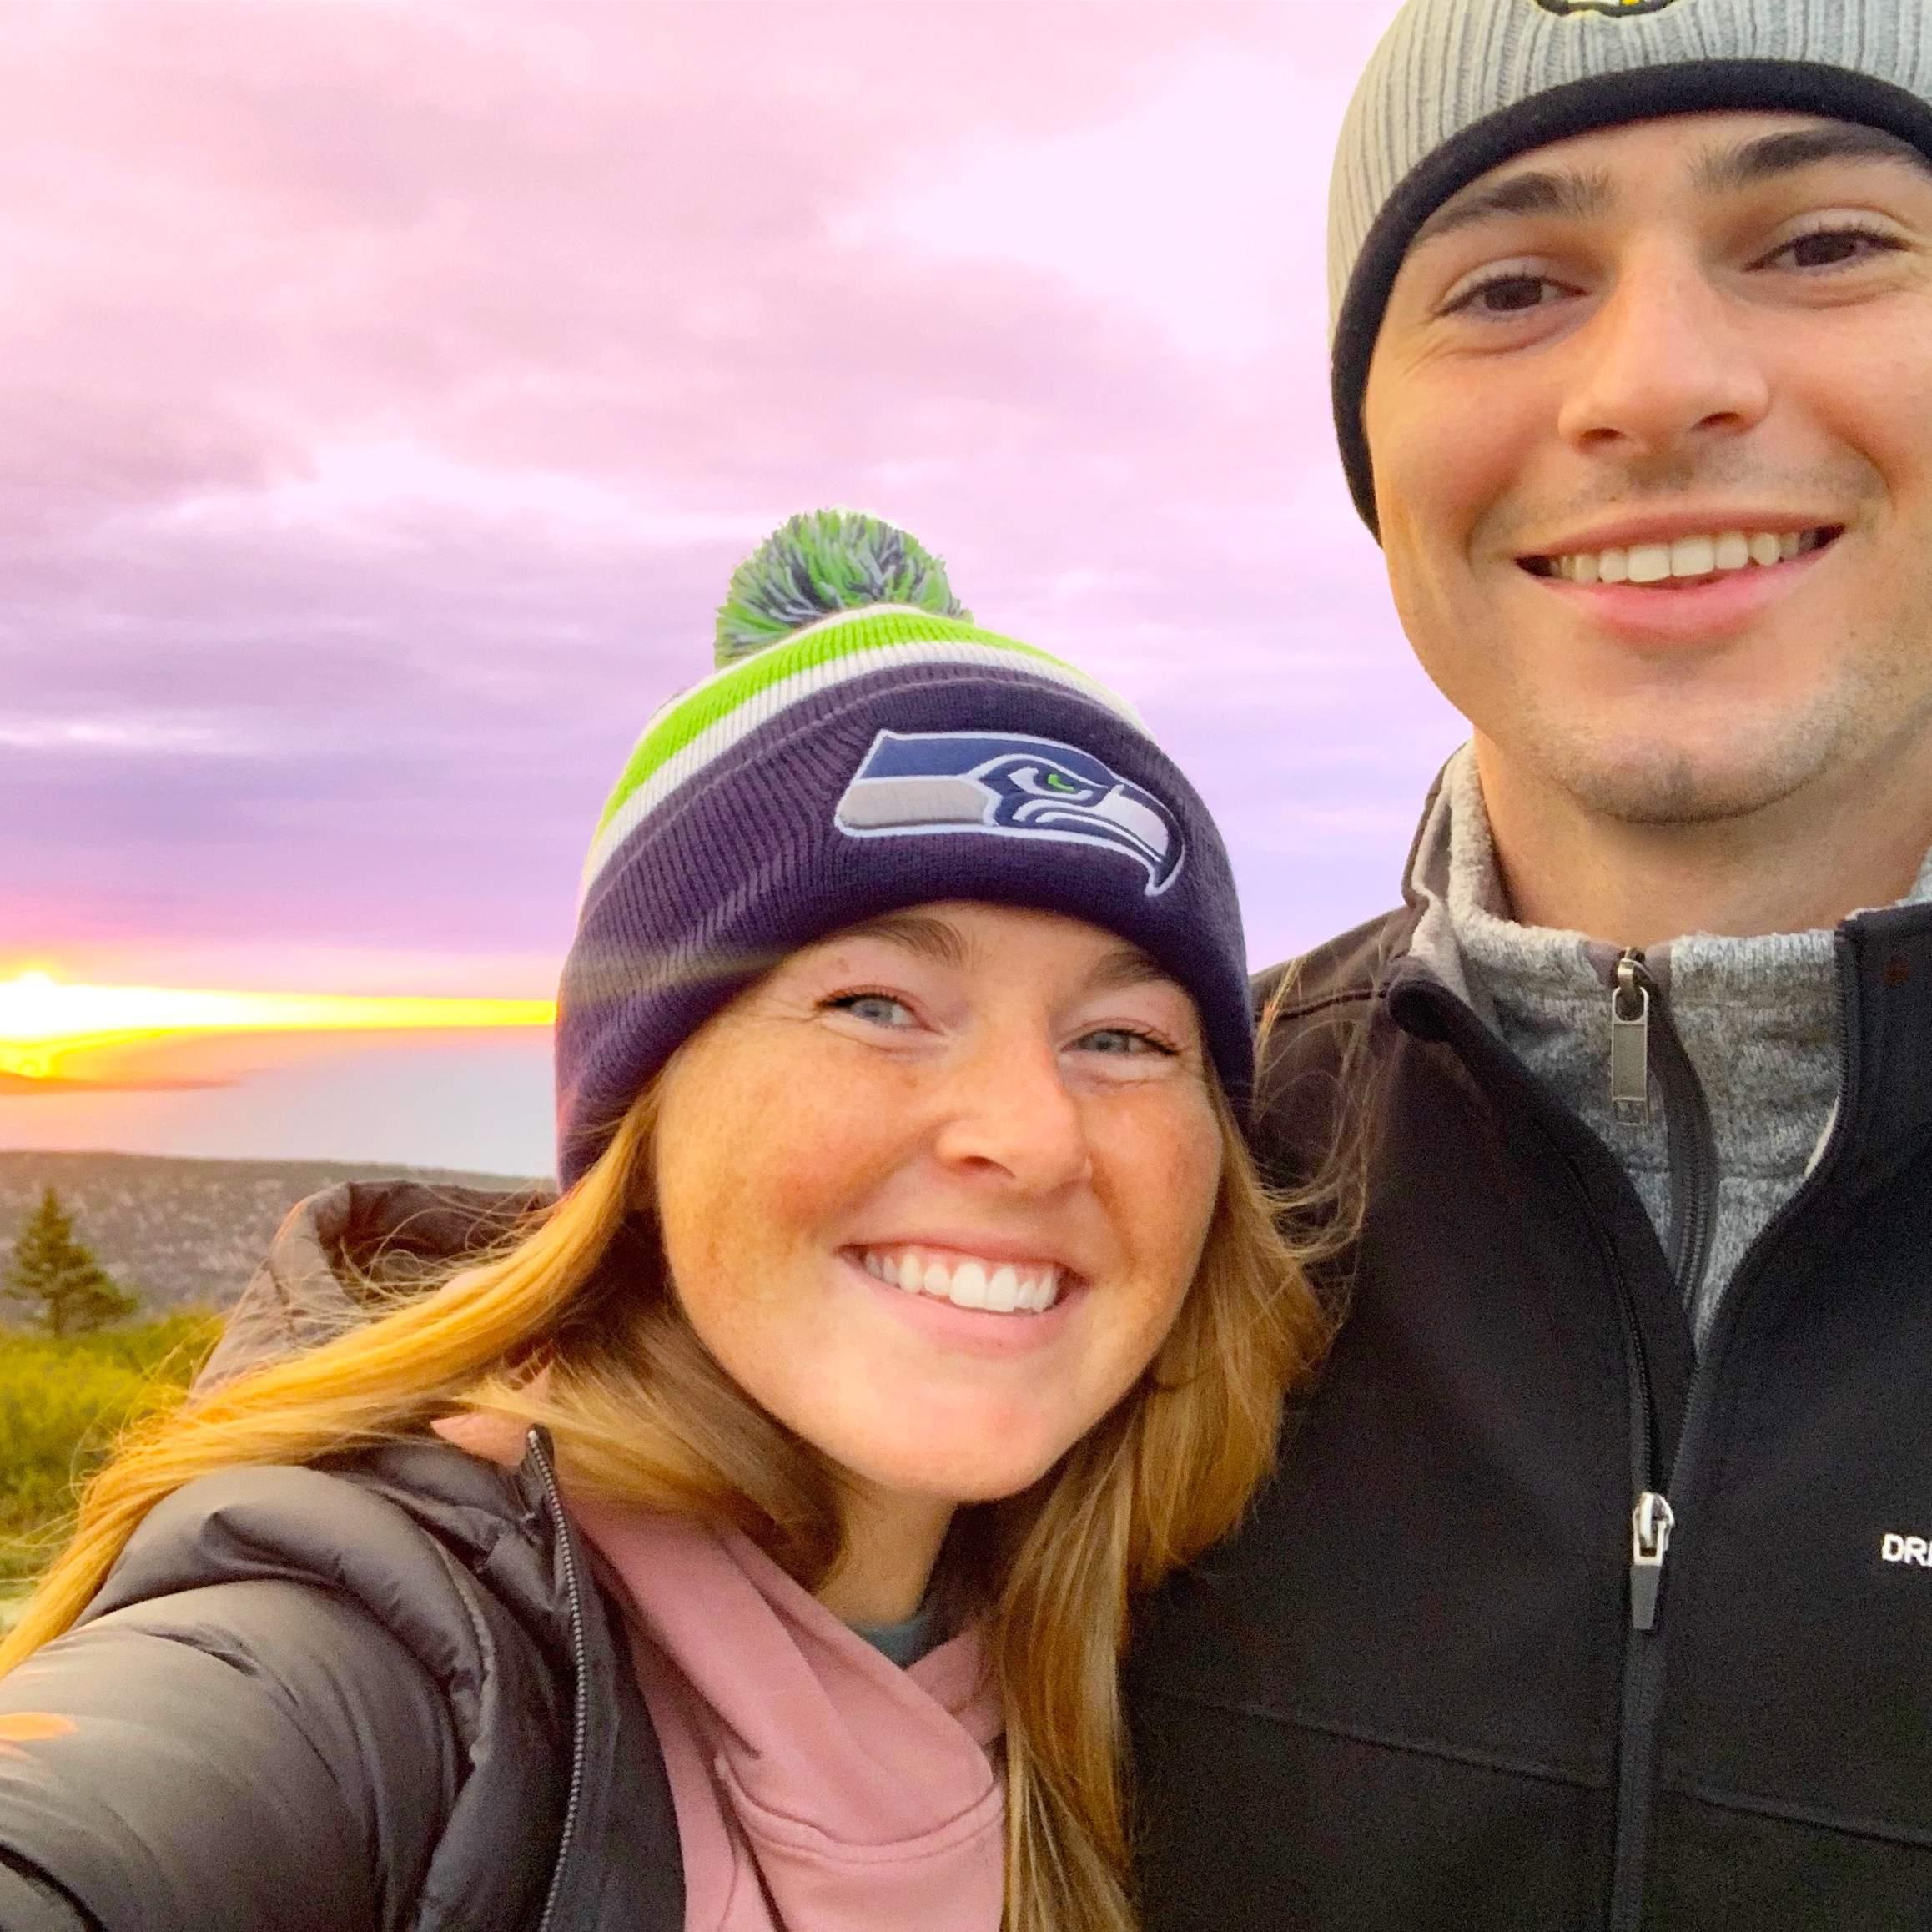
[{"x": 386, "y": 391}]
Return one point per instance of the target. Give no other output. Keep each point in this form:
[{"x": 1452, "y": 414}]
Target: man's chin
[{"x": 1652, "y": 784}]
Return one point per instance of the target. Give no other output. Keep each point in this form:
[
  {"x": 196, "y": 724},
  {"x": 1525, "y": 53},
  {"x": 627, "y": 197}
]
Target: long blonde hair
[{"x": 573, "y": 1325}]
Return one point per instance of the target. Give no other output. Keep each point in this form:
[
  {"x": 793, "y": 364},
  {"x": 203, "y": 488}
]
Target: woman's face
[{"x": 932, "y": 1191}]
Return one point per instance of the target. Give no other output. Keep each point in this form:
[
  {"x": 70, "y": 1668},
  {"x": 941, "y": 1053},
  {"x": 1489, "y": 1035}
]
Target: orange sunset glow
[{"x": 45, "y": 1021}]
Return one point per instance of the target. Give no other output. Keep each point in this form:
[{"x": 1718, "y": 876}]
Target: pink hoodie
[{"x": 818, "y": 1786}]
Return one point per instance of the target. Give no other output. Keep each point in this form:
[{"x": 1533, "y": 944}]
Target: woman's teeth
[
  {"x": 1688, "y": 556},
  {"x": 999, "y": 1287}
]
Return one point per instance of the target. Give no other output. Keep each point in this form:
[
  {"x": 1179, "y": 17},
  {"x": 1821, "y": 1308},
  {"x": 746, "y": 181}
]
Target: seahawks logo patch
[
  {"x": 911, "y": 784},
  {"x": 1614, "y": 9}
]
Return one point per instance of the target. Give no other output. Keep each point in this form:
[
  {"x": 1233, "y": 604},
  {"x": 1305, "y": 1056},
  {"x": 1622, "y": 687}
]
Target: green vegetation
[
  {"x": 63, "y": 1401},
  {"x": 58, "y": 1280}
]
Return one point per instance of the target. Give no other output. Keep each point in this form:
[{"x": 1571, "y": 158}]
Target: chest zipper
[
  {"x": 1630, "y": 1042},
  {"x": 539, "y": 1441},
  {"x": 1643, "y": 1044},
  {"x": 1645, "y": 1047},
  {"x": 1650, "y": 1523}
]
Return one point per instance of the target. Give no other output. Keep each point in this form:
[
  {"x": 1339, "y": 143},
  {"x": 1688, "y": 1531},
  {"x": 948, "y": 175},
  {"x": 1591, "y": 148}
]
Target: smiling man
[{"x": 1586, "y": 1596}]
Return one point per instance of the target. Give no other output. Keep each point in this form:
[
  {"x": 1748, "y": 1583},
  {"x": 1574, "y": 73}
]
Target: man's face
[{"x": 1651, "y": 418}]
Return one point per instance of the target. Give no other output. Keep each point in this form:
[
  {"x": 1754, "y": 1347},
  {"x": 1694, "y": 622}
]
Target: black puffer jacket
[{"x": 386, "y": 1695}]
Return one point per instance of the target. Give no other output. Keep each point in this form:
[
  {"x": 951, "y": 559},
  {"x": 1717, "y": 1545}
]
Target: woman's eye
[
  {"x": 875, "y": 1009},
  {"x": 1122, "y": 1040}
]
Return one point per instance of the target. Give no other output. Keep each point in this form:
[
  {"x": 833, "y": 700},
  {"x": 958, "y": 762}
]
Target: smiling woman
[{"x": 750, "y": 1538}]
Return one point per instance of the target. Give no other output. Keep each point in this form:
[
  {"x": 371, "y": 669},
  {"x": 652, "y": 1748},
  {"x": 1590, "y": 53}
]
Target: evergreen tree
[{"x": 59, "y": 1278}]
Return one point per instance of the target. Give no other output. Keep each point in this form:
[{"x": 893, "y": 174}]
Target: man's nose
[
  {"x": 1664, "y": 366},
  {"x": 1007, "y": 1111}
]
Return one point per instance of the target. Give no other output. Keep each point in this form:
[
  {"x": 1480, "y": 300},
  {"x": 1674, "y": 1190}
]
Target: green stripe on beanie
[
  {"x": 1459, "y": 86},
  {"x": 703, "y": 723}
]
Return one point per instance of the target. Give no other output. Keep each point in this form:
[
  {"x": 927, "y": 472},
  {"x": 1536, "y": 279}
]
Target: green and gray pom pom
[{"x": 822, "y": 561}]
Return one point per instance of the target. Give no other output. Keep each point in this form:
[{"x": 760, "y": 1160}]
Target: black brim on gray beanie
[{"x": 1458, "y": 87}]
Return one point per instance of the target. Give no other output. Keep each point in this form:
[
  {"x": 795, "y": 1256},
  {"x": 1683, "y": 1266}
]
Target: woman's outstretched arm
[{"x": 222, "y": 1759}]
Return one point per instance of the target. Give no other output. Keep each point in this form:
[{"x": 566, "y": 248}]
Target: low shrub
[{"x": 62, "y": 1404}]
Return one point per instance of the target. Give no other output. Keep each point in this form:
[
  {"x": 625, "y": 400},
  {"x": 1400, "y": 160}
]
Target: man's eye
[
  {"x": 1515, "y": 294},
  {"x": 1833, "y": 248}
]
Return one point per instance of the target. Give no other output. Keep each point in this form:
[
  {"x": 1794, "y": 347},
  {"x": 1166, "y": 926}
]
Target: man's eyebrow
[
  {"x": 1749, "y": 163},
  {"x": 1537, "y": 191}
]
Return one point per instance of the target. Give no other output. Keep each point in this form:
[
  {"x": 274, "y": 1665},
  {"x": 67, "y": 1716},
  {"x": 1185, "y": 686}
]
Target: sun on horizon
[{"x": 44, "y": 1020}]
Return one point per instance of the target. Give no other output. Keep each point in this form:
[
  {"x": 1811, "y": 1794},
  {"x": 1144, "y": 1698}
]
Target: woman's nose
[{"x": 1007, "y": 1111}]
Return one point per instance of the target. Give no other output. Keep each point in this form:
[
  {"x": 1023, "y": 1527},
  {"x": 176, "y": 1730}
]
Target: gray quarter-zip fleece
[{"x": 1757, "y": 1018}]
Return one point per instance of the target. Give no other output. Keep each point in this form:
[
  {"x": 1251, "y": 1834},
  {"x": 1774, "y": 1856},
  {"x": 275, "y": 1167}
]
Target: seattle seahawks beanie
[
  {"x": 1458, "y": 87},
  {"x": 864, "y": 747}
]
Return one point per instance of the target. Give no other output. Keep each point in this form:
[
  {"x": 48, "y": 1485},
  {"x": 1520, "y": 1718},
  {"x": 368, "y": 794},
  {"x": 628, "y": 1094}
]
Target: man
[{"x": 1595, "y": 1589}]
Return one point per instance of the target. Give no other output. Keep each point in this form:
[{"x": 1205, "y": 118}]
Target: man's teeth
[
  {"x": 1000, "y": 1287},
  {"x": 1688, "y": 556}
]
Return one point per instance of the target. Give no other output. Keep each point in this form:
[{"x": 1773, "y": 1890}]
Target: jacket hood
[{"x": 339, "y": 1251}]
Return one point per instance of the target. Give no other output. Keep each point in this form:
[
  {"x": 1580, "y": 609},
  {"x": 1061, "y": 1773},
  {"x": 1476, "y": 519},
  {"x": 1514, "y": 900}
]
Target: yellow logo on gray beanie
[{"x": 1612, "y": 9}]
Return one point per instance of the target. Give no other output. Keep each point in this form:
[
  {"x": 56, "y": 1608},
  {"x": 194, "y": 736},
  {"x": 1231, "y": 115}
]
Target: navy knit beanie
[{"x": 865, "y": 747}]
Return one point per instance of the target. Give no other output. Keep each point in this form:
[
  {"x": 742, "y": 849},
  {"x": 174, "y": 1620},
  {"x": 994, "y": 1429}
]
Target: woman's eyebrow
[
  {"x": 1128, "y": 966},
  {"x": 919, "y": 933},
  {"x": 942, "y": 941},
  {"x": 1749, "y": 163}
]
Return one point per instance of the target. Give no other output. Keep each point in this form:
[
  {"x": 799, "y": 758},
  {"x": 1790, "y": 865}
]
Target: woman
[{"x": 911, "y": 1300}]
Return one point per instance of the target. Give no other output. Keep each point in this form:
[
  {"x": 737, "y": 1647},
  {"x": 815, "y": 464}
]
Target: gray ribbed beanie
[{"x": 1457, "y": 86}]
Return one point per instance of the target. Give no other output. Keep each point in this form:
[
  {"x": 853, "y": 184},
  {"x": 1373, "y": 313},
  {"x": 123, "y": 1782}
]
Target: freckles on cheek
[
  {"x": 801, "y": 1142},
  {"x": 1161, "y": 1193}
]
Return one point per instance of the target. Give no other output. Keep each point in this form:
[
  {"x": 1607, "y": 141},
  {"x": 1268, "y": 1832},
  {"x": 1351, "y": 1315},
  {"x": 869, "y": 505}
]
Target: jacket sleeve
[
  {"x": 29, "y": 1902},
  {"x": 239, "y": 1756}
]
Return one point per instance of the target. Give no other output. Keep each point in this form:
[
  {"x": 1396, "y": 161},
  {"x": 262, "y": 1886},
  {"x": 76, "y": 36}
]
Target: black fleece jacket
[{"x": 1428, "y": 1685}]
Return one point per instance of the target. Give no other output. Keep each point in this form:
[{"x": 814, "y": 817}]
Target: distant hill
[{"x": 184, "y": 1231}]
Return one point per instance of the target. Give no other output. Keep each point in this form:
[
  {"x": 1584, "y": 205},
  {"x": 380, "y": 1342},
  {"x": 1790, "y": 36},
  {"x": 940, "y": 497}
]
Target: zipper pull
[
  {"x": 1630, "y": 1042},
  {"x": 1650, "y": 1523}
]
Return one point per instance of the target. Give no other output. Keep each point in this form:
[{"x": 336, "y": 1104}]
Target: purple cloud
[{"x": 389, "y": 393}]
